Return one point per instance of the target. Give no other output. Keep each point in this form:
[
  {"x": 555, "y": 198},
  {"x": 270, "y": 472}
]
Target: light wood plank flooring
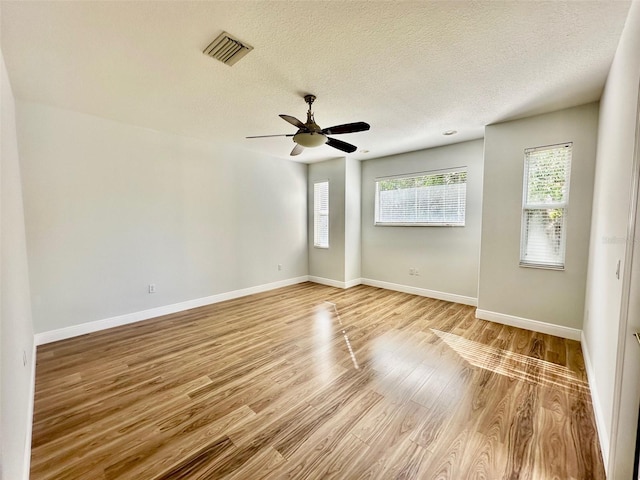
[{"x": 311, "y": 381}]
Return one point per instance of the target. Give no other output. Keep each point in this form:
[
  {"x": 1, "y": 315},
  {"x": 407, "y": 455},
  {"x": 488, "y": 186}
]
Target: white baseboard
[
  {"x": 97, "y": 325},
  {"x": 334, "y": 283},
  {"x": 597, "y": 405},
  {"x": 423, "y": 292},
  {"x": 26, "y": 463},
  {"x": 528, "y": 324}
]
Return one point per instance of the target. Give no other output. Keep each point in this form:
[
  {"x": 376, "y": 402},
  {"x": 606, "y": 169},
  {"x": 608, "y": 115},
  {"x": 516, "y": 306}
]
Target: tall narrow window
[
  {"x": 544, "y": 206},
  {"x": 321, "y": 214},
  {"x": 436, "y": 198}
]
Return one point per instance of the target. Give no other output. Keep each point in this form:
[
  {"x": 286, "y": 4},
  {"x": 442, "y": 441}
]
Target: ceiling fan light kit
[
  {"x": 310, "y": 135},
  {"x": 310, "y": 139}
]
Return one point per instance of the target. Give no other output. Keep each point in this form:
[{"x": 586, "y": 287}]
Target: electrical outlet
[
  {"x": 415, "y": 271},
  {"x": 279, "y": 266},
  {"x": 24, "y": 358},
  {"x": 412, "y": 271},
  {"x": 152, "y": 288}
]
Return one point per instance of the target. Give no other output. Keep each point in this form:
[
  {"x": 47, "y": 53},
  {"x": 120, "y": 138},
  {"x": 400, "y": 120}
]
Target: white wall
[
  {"x": 111, "y": 208},
  {"x": 553, "y": 297},
  {"x": 446, "y": 257},
  {"x": 15, "y": 307},
  {"x": 338, "y": 265},
  {"x": 329, "y": 263},
  {"x": 611, "y": 204}
]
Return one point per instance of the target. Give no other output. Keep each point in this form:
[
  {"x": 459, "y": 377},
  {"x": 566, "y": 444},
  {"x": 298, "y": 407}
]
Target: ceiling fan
[{"x": 310, "y": 134}]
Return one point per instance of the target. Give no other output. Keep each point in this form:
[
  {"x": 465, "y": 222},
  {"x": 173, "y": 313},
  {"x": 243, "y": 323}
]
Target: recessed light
[{"x": 450, "y": 132}]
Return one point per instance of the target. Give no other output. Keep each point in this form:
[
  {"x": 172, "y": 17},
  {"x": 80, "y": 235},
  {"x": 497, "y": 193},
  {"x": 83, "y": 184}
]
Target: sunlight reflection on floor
[
  {"x": 514, "y": 365},
  {"x": 344, "y": 334},
  {"x": 322, "y": 343}
]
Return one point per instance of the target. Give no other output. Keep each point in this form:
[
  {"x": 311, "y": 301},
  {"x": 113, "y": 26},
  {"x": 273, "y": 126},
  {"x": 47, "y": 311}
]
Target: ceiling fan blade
[
  {"x": 346, "y": 128},
  {"x": 340, "y": 145},
  {"x": 297, "y": 150},
  {"x": 293, "y": 121},
  {"x": 267, "y": 136}
]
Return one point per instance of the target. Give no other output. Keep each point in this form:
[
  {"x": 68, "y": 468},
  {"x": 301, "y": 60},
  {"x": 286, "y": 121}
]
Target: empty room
[{"x": 309, "y": 240}]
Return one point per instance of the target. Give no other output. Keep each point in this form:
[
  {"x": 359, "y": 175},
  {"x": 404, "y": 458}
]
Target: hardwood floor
[{"x": 311, "y": 381}]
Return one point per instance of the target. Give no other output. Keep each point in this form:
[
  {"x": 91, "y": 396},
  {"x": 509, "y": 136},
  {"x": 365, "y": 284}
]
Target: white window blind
[
  {"x": 544, "y": 206},
  {"x": 321, "y": 214},
  {"x": 434, "y": 198}
]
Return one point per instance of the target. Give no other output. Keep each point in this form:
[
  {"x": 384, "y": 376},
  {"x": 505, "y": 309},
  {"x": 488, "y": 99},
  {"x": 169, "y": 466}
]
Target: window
[
  {"x": 544, "y": 206},
  {"x": 435, "y": 198},
  {"x": 321, "y": 214}
]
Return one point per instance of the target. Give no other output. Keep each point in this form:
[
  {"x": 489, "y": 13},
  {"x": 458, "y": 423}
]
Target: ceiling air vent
[{"x": 227, "y": 49}]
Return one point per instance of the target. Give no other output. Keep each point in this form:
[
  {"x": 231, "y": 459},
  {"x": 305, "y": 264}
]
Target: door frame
[{"x": 619, "y": 457}]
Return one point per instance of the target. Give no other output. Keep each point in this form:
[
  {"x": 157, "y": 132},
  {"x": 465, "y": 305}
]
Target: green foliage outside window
[
  {"x": 423, "y": 181},
  {"x": 547, "y": 179}
]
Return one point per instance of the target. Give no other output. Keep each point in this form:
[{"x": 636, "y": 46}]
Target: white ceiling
[{"x": 410, "y": 69}]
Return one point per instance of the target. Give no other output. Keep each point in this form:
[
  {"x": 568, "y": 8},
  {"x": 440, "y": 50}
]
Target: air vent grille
[{"x": 227, "y": 49}]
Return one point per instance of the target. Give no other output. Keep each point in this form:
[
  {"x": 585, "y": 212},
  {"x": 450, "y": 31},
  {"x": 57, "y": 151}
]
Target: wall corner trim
[
  {"x": 423, "y": 292},
  {"x": 528, "y": 324},
  {"x": 335, "y": 283},
  {"x": 597, "y": 405},
  {"x": 97, "y": 325},
  {"x": 353, "y": 283},
  {"x": 26, "y": 463}
]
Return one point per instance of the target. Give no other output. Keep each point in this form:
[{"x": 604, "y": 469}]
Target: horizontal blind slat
[
  {"x": 546, "y": 196},
  {"x": 422, "y": 199},
  {"x": 321, "y": 214}
]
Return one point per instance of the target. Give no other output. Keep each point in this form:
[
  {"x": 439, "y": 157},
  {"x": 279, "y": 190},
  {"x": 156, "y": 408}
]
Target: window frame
[
  {"x": 318, "y": 213},
  {"x": 442, "y": 171},
  {"x": 551, "y": 205}
]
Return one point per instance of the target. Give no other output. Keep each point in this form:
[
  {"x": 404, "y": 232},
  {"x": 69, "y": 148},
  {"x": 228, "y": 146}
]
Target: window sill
[
  {"x": 542, "y": 266},
  {"x": 378, "y": 224}
]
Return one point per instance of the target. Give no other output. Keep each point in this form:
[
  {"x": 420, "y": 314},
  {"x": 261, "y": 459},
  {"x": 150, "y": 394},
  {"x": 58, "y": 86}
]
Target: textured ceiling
[{"x": 410, "y": 69}]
